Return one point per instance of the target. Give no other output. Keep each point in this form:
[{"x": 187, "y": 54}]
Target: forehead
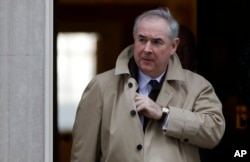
[{"x": 154, "y": 26}]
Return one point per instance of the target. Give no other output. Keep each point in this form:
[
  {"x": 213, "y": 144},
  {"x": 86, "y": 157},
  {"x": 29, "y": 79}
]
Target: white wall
[{"x": 25, "y": 80}]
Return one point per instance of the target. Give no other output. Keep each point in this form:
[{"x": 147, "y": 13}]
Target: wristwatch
[{"x": 165, "y": 112}]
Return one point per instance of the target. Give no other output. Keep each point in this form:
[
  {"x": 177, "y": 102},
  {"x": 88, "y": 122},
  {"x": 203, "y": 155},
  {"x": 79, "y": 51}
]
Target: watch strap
[{"x": 165, "y": 112}]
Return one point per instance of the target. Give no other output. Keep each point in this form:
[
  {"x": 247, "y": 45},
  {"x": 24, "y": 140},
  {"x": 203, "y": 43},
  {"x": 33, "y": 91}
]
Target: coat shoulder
[
  {"x": 193, "y": 76},
  {"x": 105, "y": 77},
  {"x": 106, "y": 80},
  {"x": 195, "y": 79}
]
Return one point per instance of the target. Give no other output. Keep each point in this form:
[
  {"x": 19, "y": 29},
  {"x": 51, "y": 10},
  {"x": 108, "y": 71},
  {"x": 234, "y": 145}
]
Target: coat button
[
  {"x": 130, "y": 85},
  {"x": 139, "y": 147},
  {"x": 185, "y": 140},
  {"x": 132, "y": 112}
]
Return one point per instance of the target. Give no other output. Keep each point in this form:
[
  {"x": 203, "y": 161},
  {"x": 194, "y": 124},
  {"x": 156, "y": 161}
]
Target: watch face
[{"x": 165, "y": 110}]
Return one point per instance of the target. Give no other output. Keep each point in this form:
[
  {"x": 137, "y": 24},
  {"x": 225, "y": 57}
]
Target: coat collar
[
  {"x": 123, "y": 60},
  {"x": 174, "y": 72}
]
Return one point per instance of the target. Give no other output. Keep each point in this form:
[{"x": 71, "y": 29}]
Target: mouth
[{"x": 147, "y": 59}]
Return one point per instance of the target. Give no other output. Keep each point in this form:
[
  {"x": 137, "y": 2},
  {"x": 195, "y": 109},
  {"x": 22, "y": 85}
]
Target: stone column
[{"x": 25, "y": 80}]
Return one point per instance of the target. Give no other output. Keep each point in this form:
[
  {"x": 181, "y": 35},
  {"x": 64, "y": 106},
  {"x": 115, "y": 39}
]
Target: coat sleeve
[
  {"x": 86, "y": 130},
  {"x": 201, "y": 122}
]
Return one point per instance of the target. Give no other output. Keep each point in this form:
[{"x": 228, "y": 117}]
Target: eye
[
  {"x": 157, "y": 41},
  {"x": 142, "y": 40}
]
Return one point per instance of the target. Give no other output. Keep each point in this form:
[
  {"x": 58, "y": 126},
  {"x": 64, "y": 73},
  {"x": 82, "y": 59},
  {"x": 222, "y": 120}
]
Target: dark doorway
[{"x": 224, "y": 59}]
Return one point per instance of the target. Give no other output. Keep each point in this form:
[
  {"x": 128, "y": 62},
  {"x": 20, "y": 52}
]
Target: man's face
[{"x": 153, "y": 47}]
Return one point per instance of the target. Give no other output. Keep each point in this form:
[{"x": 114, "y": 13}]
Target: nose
[{"x": 148, "y": 48}]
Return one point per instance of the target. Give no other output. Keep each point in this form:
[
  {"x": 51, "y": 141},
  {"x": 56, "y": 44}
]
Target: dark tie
[
  {"x": 153, "y": 95},
  {"x": 155, "y": 89}
]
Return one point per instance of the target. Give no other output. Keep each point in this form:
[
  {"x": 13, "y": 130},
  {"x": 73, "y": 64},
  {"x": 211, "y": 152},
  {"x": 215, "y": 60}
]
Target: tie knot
[{"x": 153, "y": 83}]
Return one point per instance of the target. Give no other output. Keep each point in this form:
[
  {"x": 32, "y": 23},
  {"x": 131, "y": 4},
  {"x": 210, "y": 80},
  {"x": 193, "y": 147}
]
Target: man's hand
[{"x": 147, "y": 107}]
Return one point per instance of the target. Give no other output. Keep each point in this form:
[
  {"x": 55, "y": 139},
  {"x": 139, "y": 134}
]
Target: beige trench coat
[{"x": 107, "y": 128}]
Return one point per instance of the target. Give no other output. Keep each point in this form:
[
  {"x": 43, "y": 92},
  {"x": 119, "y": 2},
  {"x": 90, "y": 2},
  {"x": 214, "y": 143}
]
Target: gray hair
[{"x": 162, "y": 13}]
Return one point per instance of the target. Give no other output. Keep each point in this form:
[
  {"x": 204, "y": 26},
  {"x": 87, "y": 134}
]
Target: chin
[{"x": 147, "y": 71}]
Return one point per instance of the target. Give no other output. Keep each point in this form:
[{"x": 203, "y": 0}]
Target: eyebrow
[
  {"x": 158, "y": 39},
  {"x": 142, "y": 36}
]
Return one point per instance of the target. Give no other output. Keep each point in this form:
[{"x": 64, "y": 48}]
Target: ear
[{"x": 175, "y": 45}]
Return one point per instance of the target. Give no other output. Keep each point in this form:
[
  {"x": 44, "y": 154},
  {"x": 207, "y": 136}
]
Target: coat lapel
[{"x": 165, "y": 94}]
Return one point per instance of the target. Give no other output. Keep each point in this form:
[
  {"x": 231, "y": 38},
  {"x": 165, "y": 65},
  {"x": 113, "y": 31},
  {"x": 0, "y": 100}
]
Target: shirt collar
[{"x": 143, "y": 79}]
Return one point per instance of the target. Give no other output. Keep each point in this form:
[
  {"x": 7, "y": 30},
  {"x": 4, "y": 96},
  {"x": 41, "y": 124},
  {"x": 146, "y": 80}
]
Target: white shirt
[{"x": 145, "y": 88}]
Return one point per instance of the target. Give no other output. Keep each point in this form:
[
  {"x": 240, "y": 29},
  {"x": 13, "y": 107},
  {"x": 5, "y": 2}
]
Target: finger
[
  {"x": 139, "y": 105},
  {"x": 137, "y": 95},
  {"x": 138, "y": 98},
  {"x": 142, "y": 101}
]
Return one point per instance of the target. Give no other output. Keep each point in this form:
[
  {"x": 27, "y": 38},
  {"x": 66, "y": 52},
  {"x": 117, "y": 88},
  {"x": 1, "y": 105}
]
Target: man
[{"x": 118, "y": 118}]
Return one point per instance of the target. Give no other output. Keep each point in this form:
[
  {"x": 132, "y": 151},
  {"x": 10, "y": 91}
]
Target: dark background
[{"x": 224, "y": 59}]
